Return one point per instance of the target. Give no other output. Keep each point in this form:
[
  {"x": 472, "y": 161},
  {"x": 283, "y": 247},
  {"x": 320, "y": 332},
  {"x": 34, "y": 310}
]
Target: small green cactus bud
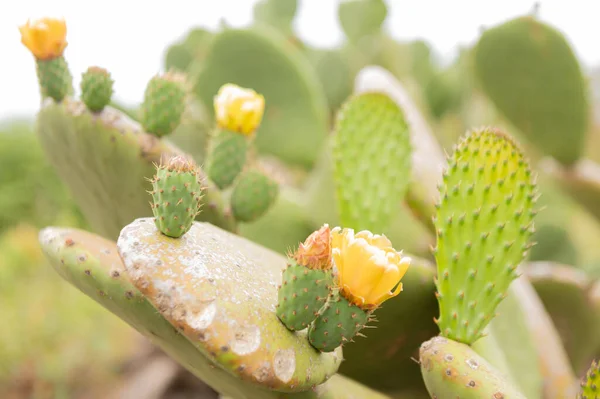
[
  {"x": 306, "y": 281},
  {"x": 55, "y": 78},
  {"x": 177, "y": 194},
  {"x": 164, "y": 104},
  {"x": 227, "y": 157},
  {"x": 253, "y": 195},
  {"x": 590, "y": 385},
  {"x": 96, "y": 88}
]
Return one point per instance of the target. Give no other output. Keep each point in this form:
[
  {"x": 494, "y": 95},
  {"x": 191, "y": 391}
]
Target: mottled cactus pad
[
  {"x": 484, "y": 222},
  {"x": 220, "y": 291}
]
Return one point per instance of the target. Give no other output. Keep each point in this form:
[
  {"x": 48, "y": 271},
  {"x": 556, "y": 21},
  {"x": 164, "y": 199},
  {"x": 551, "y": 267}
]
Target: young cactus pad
[
  {"x": 453, "y": 370},
  {"x": 360, "y": 18},
  {"x": 253, "y": 195},
  {"x": 96, "y": 88},
  {"x": 92, "y": 264},
  {"x": 530, "y": 72},
  {"x": 164, "y": 104},
  {"x": 220, "y": 291},
  {"x": 176, "y": 195},
  {"x": 306, "y": 281},
  {"x": 484, "y": 221},
  {"x": 590, "y": 384},
  {"x": 371, "y": 155}
]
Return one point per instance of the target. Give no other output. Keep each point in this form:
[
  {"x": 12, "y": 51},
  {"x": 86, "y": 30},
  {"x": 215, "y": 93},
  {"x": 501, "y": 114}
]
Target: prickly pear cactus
[
  {"x": 164, "y": 104},
  {"x": 590, "y": 385},
  {"x": 453, "y": 370},
  {"x": 96, "y": 88},
  {"x": 484, "y": 222},
  {"x": 372, "y": 161},
  {"x": 184, "y": 55},
  {"x": 295, "y": 123},
  {"x": 360, "y": 18},
  {"x": 530, "y": 72},
  {"x": 176, "y": 196},
  {"x": 253, "y": 195},
  {"x": 279, "y": 14}
]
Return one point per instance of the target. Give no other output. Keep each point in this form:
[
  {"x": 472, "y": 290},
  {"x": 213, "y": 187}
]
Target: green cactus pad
[
  {"x": 565, "y": 293},
  {"x": 181, "y": 56},
  {"x": 164, "y": 104},
  {"x": 253, "y": 195},
  {"x": 530, "y": 72},
  {"x": 177, "y": 196},
  {"x": 279, "y": 14},
  {"x": 453, "y": 370},
  {"x": 96, "y": 88},
  {"x": 338, "y": 323},
  {"x": 227, "y": 157},
  {"x": 484, "y": 222},
  {"x": 360, "y": 18},
  {"x": 335, "y": 75},
  {"x": 220, "y": 291},
  {"x": 302, "y": 294},
  {"x": 371, "y": 155},
  {"x": 54, "y": 78},
  {"x": 295, "y": 123},
  {"x": 590, "y": 384},
  {"x": 92, "y": 264},
  {"x": 106, "y": 160}
]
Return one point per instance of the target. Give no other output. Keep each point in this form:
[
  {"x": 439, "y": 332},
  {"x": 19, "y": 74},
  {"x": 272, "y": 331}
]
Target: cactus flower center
[
  {"x": 45, "y": 38},
  {"x": 315, "y": 251},
  {"x": 369, "y": 269},
  {"x": 238, "y": 109}
]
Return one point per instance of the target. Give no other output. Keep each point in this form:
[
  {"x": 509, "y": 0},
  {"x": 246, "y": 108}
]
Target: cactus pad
[
  {"x": 227, "y": 157},
  {"x": 220, "y": 291},
  {"x": 371, "y": 155},
  {"x": 177, "y": 196},
  {"x": 453, "y": 370},
  {"x": 54, "y": 78},
  {"x": 253, "y": 195},
  {"x": 96, "y": 88},
  {"x": 92, "y": 264},
  {"x": 302, "y": 294},
  {"x": 484, "y": 222},
  {"x": 360, "y": 18},
  {"x": 295, "y": 123},
  {"x": 338, "y": 322},
  {"x": 164, "y": 104},
  {"x": 530, "y": 72},
  {"x": 119, "y": 156},
  {"x": 590, "y": 385}
]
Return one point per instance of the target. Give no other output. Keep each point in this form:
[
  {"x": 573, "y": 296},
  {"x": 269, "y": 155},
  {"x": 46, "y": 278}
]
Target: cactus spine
[
  {"x": 164, "y": 104},
  {"x": 177, "y": 195},
  {"x": 96, "y": 88},
  {"x": 590, "y": 384},
  {"x": 483, "y": 223}
]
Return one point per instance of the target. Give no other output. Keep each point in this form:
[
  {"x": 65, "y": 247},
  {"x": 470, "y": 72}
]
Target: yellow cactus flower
[
  {"x": 238, "y": 109},
  {"x": 315, "y": 252},
  {"x": 45, "y": 38},
  {"x": 368, "y": 267}
]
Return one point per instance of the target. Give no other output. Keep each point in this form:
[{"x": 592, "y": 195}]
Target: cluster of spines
[
  {"x": 590, "y": 384},
  {"x": 164, "y": 103},
  {"x": 484, "y": 222},
  {"x": 177, "y": 196},
  {"x": 96, "y": 88}
]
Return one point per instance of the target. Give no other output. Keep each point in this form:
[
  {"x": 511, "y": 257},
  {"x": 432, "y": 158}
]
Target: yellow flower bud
[
  {"x": 315, "y": 252},
  {"x": 238, "y": 109},
  {"x": 368, "y": 267},
  {"x": 45, "y": 38}
]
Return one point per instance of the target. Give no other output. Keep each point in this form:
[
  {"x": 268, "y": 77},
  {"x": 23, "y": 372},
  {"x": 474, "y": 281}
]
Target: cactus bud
[
  {"x": 96, "y": 88},
  {"x": 164, "y": 104}
]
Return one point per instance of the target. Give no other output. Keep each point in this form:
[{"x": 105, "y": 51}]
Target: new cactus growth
[
  {"x": 371, "y": 151},
  {"x": 484, "y": 222},
  {"x": 453, "y": 370},
  {"x": 47, "y": 39},
  {"x": 306, "y": 281},
  {"x": 253, "y": 195},
  {"x": 177, "y": 196},
  {"x": 368, "y": 273},
  {"x": 590, "y": 385},
  {"x": 164, "y": 103},
  {"x": 96, "y": 88},
  {"x": 239, "y": 113}
]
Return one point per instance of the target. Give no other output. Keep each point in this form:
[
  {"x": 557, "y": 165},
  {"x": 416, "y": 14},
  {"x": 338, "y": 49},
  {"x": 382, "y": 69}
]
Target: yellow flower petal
[
  {"x": 45, "y": 38},
  {"x": 238, "y": 109}
]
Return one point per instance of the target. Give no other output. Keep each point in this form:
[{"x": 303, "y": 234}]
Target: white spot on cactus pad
[
  {"x": 204, "y": 319},
  {"x": 285, "y": 364},
  {"x": 246, "y": 340}
]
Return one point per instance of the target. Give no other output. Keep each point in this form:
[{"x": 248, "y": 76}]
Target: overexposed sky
[{"x": 128, "y": 37}]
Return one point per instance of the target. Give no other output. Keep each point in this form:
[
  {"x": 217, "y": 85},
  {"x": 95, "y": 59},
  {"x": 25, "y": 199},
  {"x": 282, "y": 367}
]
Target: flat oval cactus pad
[{"x": 220, "y": 291}]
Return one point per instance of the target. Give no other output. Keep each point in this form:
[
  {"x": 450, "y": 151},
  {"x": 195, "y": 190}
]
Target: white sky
[{"x": 128, "y": 37}]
